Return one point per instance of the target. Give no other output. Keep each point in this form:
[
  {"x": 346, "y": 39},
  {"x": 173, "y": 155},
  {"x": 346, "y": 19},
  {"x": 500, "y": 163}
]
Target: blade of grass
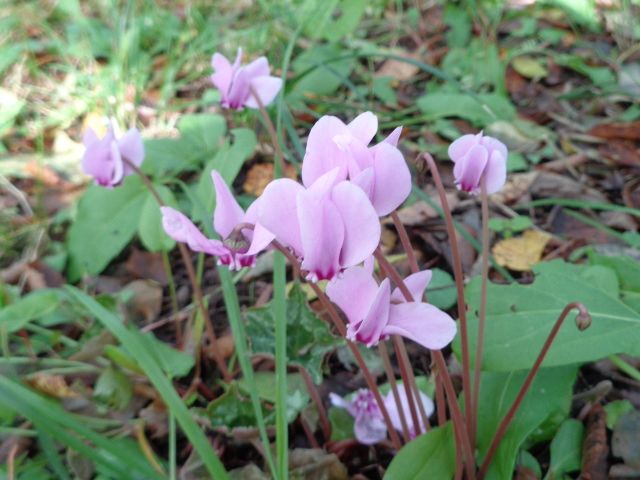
[
  {"x": 240, "y": 337},
  {"x": 51, "y": 454},
  {"x": 132, "y": 341},
  {"x": 280, "y": 317},
  {"x": 55, "y": 421},
  {"x": 567, "y": 202}
]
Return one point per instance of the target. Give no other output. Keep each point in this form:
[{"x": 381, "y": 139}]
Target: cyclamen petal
[
  {"x": 104, "y": 158},
  {"x": 368, "y": 427},
  {"x": 421, "y": 322},
  {"x": 394, "y": 410},
  {"x": 416, "y": 283},
  {"x": 235, "y": 82},
  {"x": 476, "y": 156},
  {"x": 354, "y": 292},
  {"x": 227, "y": 213},
  {"x": 369, "y": 330}
]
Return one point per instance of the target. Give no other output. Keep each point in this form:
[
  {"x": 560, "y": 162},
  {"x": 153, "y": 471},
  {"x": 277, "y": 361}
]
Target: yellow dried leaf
[
  {"x": 521, "y": 253},
  {"x": 54, "y": 385},
  {"x": 260, "y": 174}
]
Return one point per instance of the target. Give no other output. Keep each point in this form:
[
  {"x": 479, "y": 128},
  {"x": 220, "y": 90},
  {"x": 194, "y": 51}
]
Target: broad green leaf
[
  {"x": 615, "y": 410},
  {"x": 135, "y": 343},
  {"x": 601, "y": 76},
  {"x": 169, "y": 155},
  {"x": 106, "y": 221},
  {"x": 431, "y": 455},
  {"x": 350, "y": 14},
  {"x": 228, "y": 161},
  {"x": 233, "y": 409},
  {"x": 566, "y": 449},
  {"x": 459, "y": 25},
  {"x": 113, "y": 389},
  {"x": 308, "y": 337},
  {"x": 202, "y": 130},
  {"x": 441, "y": 291},
  {"x": 341, "y": 424},
  {"x": 173, "y": 362},
  {"x": 15, "y": 316},
  {"x": 520, "y": 317},
  {"x": 480, "y": 110},
  {"x": 150, "y": 230},
  {"x": 477, "y": 66},
  {"x": 548, "y": 397},
  {"x": 298, "y": 396},
  {"x": 323, "y": 71}
]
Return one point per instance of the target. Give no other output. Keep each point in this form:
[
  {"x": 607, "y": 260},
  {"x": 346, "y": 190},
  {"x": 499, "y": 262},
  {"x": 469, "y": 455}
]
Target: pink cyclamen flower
[
  {"x": 330, "y": 226},
  {"x": 236, "y": 82},
  {"x": 104, "y": 158},
  {"x": 369, "y": 427},
  {"x": 475, "y": 156},
  {"x": 240, "y": 243},
  {"x": 380, "y": 171},
  {"x": 394, "y": 411},
  {"x": 375, "y": 312}
]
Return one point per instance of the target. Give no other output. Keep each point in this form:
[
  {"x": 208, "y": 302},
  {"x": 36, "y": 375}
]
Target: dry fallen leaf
[
  {"x": 521, "y": 253},
  {"x": 259, "y": 176},
  {"x": 398, "y": 69},
  {"x": 147, "y": 299},
  {"x": 54, "y": 385}
]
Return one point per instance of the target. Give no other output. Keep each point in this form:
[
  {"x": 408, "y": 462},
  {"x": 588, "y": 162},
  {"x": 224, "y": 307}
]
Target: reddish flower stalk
[
  {"x": 459, "y": 278},
  {"x": 384, "y": 354},
  {"x": 456, "y": 413},
  {"x": 583, "y": 321},
  {"x": 342, "y": 330},
  {"x": 482, "y": 314},
  {"x": 195, "y": 285},
  {"x": 315, "y": 396}
]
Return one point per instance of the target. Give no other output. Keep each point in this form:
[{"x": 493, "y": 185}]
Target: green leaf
[
  {"x": 441, "y": 291},
  {"x": 173, "y": 362},
  {"x": 150, "y": 230},
  {"x": 529, "y": 67},
  {"x": 15, "y": 316},
  {"x": 113, "y": 388},
  {"x": 520, "y": 317},
  {"x": 601, "y": 76},
  {"x": 133, "y": 341},
  {"x": 203, "y": 130},
  {"x": 480, "y": 110},
  {"x": 459, "y": 24},
  {"x": 321, "y": 73},
  {"x": 566, "y": 449},
  {"x": 431, "y": 455},
  {"x": 297, "y": 395},
  {"x": 548, "y": 397},
  {"x": 615, "y": 410},
  {"x": 308, "y": 337},
  {"x": 169, "y": 155},
  {"x": 105, "y": 223},
  {"x": 341, "y": 424},
  {"x": 233, "y": 409},
  {"x": 351, "y": 12}
]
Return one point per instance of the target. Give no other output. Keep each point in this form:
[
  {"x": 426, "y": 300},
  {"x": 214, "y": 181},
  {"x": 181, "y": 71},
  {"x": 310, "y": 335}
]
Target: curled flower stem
[
  {"x": 441, "y": 366},
  {"x": 482, "y": 314},
  {"x": 342, "y": 330},
  {"x": 195, "y": 285},
  {"x": 583, "y": 320},
  {"x": 459, "y": 278},
  {"x": 271, "y": 129},
  {"x": 384, "y": 354}
]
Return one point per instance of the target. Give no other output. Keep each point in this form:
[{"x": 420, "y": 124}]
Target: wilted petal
[
  {"x": 181, "y": 229},
  {"x": 228, "y": 214},
  {"x": 496, "y": 171},
  {"x": 278, "y": 212},
  {"x": 266, "y": 88},
  {"x": 322, "y": 234},
  {"x": 416, "y": 284},
  {"x": 469, "y": 169},
  {"x": 322, "y": 153},
  {"x": 422, "y": 323},
  {"x": 392, "y": 183},
  {"x": 376, "y": 319},
  {"x": 353, "y": 291},
  {"x": 132, "y": 148},
  {"x": 361, "y": 224},
  {"x": 462, "y": 145},
  {"x": 364, "y": 127}
]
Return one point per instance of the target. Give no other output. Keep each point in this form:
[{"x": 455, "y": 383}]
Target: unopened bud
[{"x": 583, "y": 320}]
